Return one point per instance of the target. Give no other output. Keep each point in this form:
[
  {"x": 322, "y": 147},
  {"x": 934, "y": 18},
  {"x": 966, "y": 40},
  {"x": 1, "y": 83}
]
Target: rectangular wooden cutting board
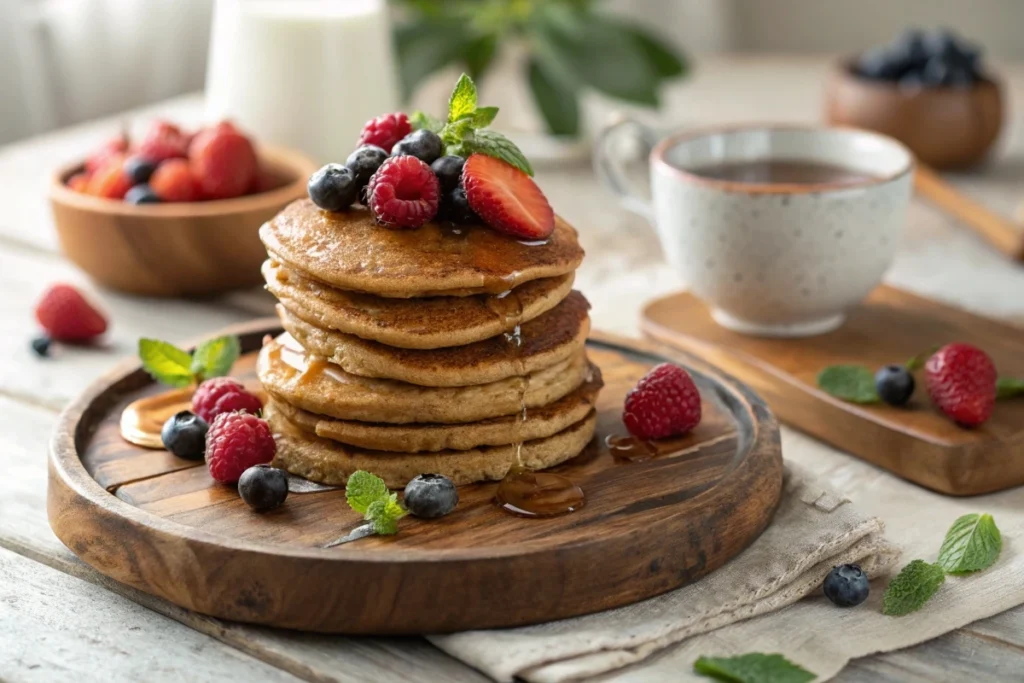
[{"x": 890, "y": 326}]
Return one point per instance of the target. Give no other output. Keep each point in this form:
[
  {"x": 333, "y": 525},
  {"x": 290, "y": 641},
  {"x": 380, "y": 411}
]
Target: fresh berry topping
[
  {"x": 364, "y": 162},
  {"x": 41, "y": 346},
  {"x": 142, "y": 194},
  {"x": 333, "y": 187},
  {"x": 223, "y": 395},
  {"x": 236, "y": 442},
  {"x": 507, "y": 199},
  {"x": 961, "y": 381},
  {"x": 423, "y": 144},
  {"x": 263, "y": 487},
  {"x": 223, "y": 162},
  {"x": 449, "y": 172},
  {"x": 114, "y": 148},
  {"x": 110, "y": 180},
  {"x": 894, "y": 384},
  {"x": 403, "y": 193},
  {"x": 384, "y": 131},
  {"x": 163, "y": 141},
  {"x": 184, "y": 435},
  {"x": 172, "y": 181},
  {"x": 139, "y": 169},
  {"x": 846, "y": 585},
  {"x": 430, "y": 496},
  {"x": 664, "y": 403},
  {"x": 66, "y": 315},
  {"x": 455, "y": 208},
  {"x": 79, "y": 182}
]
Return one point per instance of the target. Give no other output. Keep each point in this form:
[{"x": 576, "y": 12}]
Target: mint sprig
[
  {"x": 168, "y": 364},
  {"x": 973, "y": 543},
  {"x": 912, "y": 588},
  {"x": 853, "y": 383},
  {"x": 368, "y": 495},
  {"x": 1008, "y": 387},
  {"x": 753, "y": 668}
]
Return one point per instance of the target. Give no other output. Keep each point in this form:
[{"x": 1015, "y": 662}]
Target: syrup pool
[{"x": 142, "y": 420}]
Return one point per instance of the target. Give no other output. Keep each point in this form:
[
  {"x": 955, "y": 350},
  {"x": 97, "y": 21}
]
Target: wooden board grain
[
  {"x": 647, "y": 527},
  {"x": 890, "y": 326}
]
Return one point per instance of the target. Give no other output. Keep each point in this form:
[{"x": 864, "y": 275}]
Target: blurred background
[{"x": 72, "y": 60}]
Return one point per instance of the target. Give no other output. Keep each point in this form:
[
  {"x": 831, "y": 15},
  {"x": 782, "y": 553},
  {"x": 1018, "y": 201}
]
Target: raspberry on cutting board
[
  {"x": 236, "y": 442},
  {"x": 664, "y": 403}
]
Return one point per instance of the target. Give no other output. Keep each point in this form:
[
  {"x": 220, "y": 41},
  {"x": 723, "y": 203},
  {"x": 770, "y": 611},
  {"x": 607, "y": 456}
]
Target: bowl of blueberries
[{"x": 929, "y": 90}]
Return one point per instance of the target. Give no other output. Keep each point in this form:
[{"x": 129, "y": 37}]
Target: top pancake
[{"x": 349, "y": 250}]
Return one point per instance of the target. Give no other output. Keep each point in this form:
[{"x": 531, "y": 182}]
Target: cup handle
[{"x": 609, "y": 168}]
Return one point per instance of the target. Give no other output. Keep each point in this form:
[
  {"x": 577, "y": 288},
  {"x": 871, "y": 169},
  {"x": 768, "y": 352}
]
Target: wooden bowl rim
[{"x": 288, "y": 161}]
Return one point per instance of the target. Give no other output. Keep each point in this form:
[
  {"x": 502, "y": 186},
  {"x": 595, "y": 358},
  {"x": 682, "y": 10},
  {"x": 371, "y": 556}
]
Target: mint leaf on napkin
[
  {"x": 1008, "y": 387},
  {"x": 973, "y": 543},
  {"x": 753, "y": 668},
  {"x": 912, "y": 588},
  {"x": 849, "y": 382},
  {"x": 215, "y": 357},
  {"x": 166, "y": 363}
]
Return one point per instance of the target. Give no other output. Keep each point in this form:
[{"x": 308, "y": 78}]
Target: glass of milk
[{"x": 305, "y": 74}]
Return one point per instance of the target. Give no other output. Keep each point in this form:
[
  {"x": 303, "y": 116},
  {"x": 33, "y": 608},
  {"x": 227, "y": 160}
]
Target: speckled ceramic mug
[{"x": 771, "y": 259}]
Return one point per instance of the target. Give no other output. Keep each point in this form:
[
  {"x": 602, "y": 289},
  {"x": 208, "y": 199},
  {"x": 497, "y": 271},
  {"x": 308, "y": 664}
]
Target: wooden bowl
[
  {"x": 947, "y": 128},
  {"x": 174, "y": 249}
]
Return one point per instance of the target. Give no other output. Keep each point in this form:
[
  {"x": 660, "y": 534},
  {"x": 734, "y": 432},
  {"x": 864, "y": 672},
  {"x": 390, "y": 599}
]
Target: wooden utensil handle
[{"x": 1001, "y": 232}]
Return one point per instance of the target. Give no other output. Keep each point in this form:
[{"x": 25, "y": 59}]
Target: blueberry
[
  {"x": 909, "y": 50},
  {"x": 41, "y": 346},
  {"x": 846, "y": 585},
  {"x": 431, "y": 495},
  {"x": 333, "y": 187},
  {"x": 876, "y": 63},
  {"x": 142, "y": 194},
  {"x": 455, "y": 208},
  {"x": 139, "y": 169},
  {"x": 449, "y": 171},
  {"x": 894, "y": 384},
  {"x": 935, "y": 72},
  {"x": 365, "y": 161},
  {"x": 184, "y": 434},
  {"x": 263, "y": 487},
  {"x": 423, "y": 144}
]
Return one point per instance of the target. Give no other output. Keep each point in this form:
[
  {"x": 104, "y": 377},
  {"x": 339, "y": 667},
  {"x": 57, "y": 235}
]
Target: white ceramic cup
[{"x": 780, "y": 260}]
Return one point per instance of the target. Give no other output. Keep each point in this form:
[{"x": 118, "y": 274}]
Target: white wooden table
[{"x": 59, "y": 620}]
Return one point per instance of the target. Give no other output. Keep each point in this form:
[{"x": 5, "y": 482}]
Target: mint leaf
[
  {"x": 363, "y": 489},
  {"x": 912, "y": 588},
  {"x": 973, "y": 543},
  {"x": 384, "y": 515},
  {"x": 918, "y": 361},
  {"x": 214, "y": 357},
  {"x": 1008, "y": 387},
  {"x": 463, "y": 99},
  {"x": 494, "y": 144},
  {"x": 166, "y": 363},
  {"x": 484, "y": 116},
  {"x": 421, "y": 120},
  {"x": 853, "y": 383},
  {"x": 753, "y": 668}
]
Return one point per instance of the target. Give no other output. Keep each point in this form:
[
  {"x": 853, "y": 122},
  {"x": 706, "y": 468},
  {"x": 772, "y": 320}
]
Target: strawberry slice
[{"x": 506, "y": 198}]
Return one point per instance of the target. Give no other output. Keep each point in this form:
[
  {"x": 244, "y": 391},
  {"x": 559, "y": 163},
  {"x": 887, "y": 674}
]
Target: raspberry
[
  {"x": 66, "y": 315},
  {"x": 665, "y": 402},
  {"x": 403, "y": 193},
  {"x": 163, "y": 141},
  {"x": 961, "y": 381},
  {"x": 506, "y": 198},
  {"x": 172, "y": 181},
  {"x": 114, "y": 147},
  {"x": 110, "y": 181},
  {"x": 236, "y": 442},
  {"x": 385, "y": 131},
  {"x": 79, "y": 182},
  {"x": 223, "y": 395},
  {"x": 223, "y": 162}
]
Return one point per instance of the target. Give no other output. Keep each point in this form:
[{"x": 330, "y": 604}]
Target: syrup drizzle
[{"x": 142, "y": 420}]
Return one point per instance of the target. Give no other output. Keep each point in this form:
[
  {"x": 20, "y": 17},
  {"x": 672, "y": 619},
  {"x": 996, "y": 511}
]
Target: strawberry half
[{"x": 506, "y": 198}]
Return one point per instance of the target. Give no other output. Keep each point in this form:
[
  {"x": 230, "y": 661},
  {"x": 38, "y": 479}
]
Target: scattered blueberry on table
[{"x": 846, "y": 585}]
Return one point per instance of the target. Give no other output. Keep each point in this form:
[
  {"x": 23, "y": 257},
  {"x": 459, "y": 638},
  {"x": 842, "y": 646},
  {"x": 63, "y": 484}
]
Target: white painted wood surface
[{"x": 81, "y": 622}]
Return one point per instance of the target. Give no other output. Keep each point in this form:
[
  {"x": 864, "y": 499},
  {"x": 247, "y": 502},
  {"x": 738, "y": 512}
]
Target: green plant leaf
[
  {"x": 425, "y": 46},
  {"x": 363, "y": 489},
  {"x": 753, "y": 668},
  {"x": 166, "y": 363},
  {"x": 384, "y": 514},
  {"x": 420, "y": 120},
  {"x": 494, "y": 144},
  {"x": 478, "y": 55},
  {"x": 558, "y": 105},
  {"x": 462, "y": 102},
  {"x": 973, "y": 543},
  {"x": 666, "y": 61},
  {"x": 918, "y": 361},
  {"x": 1008, "y": 387},
  {"x": 215, "y": 357},
  {"x": 912, "y": 588},
  {"x": 853, "y": 383}
]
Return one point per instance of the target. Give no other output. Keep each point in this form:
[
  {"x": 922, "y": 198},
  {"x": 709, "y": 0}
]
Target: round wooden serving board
[{"x": 162, "y": 525}]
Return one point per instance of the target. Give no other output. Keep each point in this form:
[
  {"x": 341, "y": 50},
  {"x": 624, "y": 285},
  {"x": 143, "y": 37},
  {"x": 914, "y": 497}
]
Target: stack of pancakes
[{"x": 452, "y": 350}]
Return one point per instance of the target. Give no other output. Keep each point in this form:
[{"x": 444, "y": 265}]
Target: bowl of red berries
[{"x": 174, "y": 212}]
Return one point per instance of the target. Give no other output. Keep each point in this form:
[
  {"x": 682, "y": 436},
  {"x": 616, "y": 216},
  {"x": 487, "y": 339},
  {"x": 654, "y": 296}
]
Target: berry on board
[
  {"x": 961, "y": 380},
  {"x": 223, "y": 395},
  {"x": 184, "y": 435},
  {"x": 430, "y": 495},
  {"x": 263, "y": 487},
  {"x": 664, "y": 403},
  {"x": 236, "y": 442}
]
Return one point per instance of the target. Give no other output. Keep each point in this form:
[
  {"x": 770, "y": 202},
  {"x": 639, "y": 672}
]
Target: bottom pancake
[{"x": 330, "y": 462}]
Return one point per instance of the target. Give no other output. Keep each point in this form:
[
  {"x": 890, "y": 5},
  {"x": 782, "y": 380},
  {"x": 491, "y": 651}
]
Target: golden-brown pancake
[
  {"x": 349, "y": 250},
  {"x": 544, "y": 341},
  {"x": 540, "y": 423},
  {"x": 330, "y": 462},
  {"x": 427, "y": 323},
  {"x": 324, "y": 388}
]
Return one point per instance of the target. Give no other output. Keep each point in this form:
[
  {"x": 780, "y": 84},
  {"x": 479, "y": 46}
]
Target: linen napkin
[{"x": 813, "y": 529}]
